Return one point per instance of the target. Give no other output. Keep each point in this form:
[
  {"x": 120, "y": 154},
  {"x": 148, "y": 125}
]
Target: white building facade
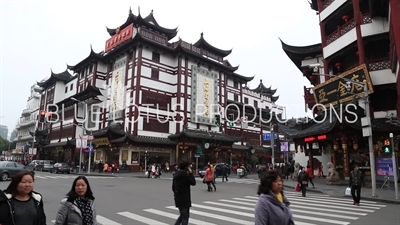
[
  {"x": 148, "y": 99},
  {"x": 28, "y": 120}
]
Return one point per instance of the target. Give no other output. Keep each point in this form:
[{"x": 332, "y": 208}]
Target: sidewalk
[{"x": 383, "y": 195}]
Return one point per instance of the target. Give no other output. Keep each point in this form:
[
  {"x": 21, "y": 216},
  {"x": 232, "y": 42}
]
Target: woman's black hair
[
  {"x": 12, "y": 187},
  {"x": 72, "y": 194},
  {"x": 266, "y": 181}
]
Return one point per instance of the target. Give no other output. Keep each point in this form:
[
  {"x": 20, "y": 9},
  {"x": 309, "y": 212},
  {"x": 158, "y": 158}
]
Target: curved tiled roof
[
  {"x": 144, "y": 139},
  {"x": 92, "y": 56},
  {"x": 324, "y": 123},
  {"x": 298, "y": 53},
  {"x": 268, "y": 92},
  {"x": 199, "y": 134},
  {"x": 64, "y": 76},
  {"x": 149, "y": 21},
  {"x": 202, "y": 43},
  {"x": 115, "y": 128}
]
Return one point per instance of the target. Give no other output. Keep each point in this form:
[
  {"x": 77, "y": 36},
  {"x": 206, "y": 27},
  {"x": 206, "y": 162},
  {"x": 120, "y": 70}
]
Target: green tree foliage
[{"x": 4, "y": 144}]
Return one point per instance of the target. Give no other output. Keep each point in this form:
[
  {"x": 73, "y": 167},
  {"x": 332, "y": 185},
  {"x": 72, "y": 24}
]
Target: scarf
[
  {"x": 86, "y": 209},
  {"x": 280, "y": 197}
]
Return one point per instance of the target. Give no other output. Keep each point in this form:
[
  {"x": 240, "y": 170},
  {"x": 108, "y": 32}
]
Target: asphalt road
[{"x": 140, "y": 201}]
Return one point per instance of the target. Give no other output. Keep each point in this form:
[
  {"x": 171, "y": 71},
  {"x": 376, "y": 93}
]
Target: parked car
[
  {"x": 45, "y": 165},
  {"x": 202, "y": 172},
  {"x": 218, "y": 169},
  {"x": 61, "y": 168},
  {"x": 9, "y": 169},
  {"x": 33, "y": 165}
]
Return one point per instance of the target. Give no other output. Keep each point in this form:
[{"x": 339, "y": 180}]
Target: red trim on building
[
  {"x": 138, "y": 88},
  {"x": 360, "y": 41}
]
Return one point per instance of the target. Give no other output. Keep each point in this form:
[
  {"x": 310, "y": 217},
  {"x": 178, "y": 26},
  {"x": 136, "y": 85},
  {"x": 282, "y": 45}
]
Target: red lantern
[
  {"x": 346, "y": 18},
  {"x": 338, "y": 65}
]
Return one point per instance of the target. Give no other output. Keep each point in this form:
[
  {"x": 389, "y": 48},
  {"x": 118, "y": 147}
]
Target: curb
[
  {"x": 95, "y": 174},
  {"x": 377, "y": 199}
]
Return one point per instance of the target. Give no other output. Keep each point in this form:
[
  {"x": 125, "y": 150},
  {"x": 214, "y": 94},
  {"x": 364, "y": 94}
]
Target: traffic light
[
  {"x": 230, "y": 120},
  {"x": 217, "y": 120},
  {"x": 42, "y": 116},
  {"x": 49, "y": 116},
  {"x": 386, "y": 148}
]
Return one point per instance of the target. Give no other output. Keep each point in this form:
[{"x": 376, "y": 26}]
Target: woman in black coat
[
  {"x": 303, "y": 181},
  {"x": 19, "y": 204}
]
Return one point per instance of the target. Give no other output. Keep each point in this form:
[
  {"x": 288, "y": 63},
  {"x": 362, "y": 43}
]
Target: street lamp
[
  {"x": 395, "y": 167},
  {"x": 272, "y": 146},
  {"x": 90, "y": 141},
  {"x": 368, "y": 118},
  {"x": 145, "y": 160}
]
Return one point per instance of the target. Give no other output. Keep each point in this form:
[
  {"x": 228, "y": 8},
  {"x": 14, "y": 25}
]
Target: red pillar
[
  {"x": 358, "y": 20},
  {"x": 395, "y": 21},
  {"x": 323, "y": 39}
]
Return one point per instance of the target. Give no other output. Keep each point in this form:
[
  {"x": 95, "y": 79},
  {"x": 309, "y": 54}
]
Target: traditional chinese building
[
  {"x": 360, "y": 41},
  {"x": 150, "y": 96}
]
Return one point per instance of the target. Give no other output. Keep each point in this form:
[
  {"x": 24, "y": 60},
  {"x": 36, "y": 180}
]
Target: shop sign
[
  {"x": 101, "y": 141},
  {"x": 334, "y": 91},
  {"x": 321, "y": 137},
  {"x": 120, "y": 37}
]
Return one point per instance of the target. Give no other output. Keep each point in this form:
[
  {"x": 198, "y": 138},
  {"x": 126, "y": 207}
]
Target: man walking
[
  {"x": 356, "y": 180},
  {"x": 224, "y": 171},
  {"x": 181, "y": 183}
]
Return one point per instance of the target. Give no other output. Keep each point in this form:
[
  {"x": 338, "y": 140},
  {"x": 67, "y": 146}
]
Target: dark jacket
[
  {"x": 6, "y": 209},
  {"x": 356, "y": 179},
  {"x": 303, "y": 177},
  {"x": 270, "y": 211},
  {"x": 181, "y": 188}
]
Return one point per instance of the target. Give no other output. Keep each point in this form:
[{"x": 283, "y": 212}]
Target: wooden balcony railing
[
  {"x": 379, "y": 64},
  {"x": 342, "y": 30}
]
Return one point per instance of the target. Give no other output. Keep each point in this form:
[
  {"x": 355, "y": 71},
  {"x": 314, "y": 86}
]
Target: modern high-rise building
[
  {"x": 13, "y": 135},
  {"x": 4, "y": 131}
]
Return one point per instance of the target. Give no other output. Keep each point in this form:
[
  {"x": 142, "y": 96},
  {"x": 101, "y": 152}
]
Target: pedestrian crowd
[{"x": 21, "y": 205}]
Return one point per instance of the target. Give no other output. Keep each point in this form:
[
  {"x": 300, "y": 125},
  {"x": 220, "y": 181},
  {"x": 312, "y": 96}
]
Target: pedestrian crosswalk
[
  {"x": 230, "y": 180},
  {"x": 315, "y": 209},
  {"x": 71, "y": 177}
]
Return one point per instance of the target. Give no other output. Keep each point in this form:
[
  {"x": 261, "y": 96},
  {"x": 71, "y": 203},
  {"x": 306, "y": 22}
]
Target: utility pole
[
  {"x": 82, "y": 134},
  {"x": 370, "y": 141},
  {"x": 90, "y": 150},
  {"x": 395, "y": 168},
  {"x": 272, "y": 146}
]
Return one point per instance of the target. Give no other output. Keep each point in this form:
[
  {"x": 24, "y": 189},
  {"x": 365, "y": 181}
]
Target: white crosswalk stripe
[
  {"x": 315, "y": 209},
  {"x": 72, "y": 177}
]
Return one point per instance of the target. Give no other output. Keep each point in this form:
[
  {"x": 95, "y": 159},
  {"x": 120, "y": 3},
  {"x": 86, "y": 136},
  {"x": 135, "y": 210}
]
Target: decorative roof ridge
[
  {"x": 63, "y": 74},
  {"x": 150, "y": 18},
  {"x": 91, "y": 54},
  {"x": 203, "y": 42},
  {"x": 170, "y": 33},
  {"x": 296, "y": 49}
]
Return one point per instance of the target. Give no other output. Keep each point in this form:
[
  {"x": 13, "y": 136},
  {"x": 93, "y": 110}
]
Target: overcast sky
[{"x": 37, "y": 36}]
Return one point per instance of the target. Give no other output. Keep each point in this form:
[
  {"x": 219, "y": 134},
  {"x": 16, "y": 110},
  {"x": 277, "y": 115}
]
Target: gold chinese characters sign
[
  {"x": 334, "y": 91},
  {"x": 204, "y": 96}
]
